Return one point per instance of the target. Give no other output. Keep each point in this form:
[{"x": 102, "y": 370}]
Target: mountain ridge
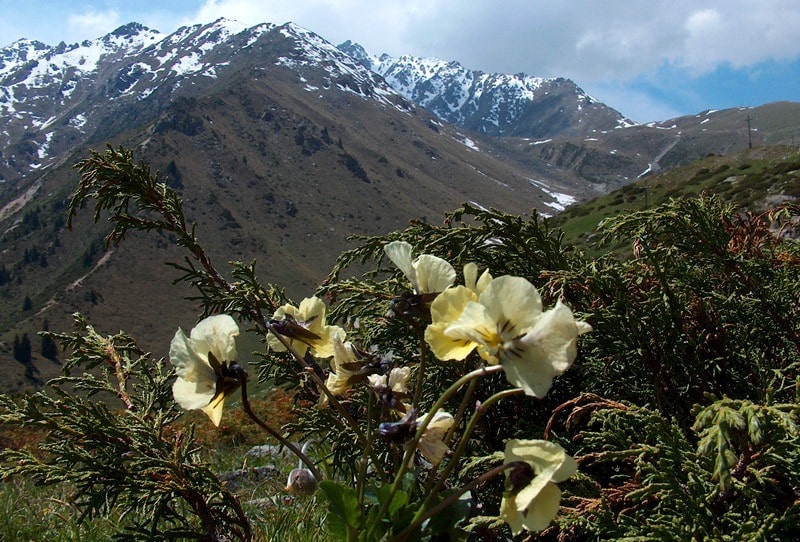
[
  {"x": 495, "y": 104},
  {"x": 279, "y": 159}
]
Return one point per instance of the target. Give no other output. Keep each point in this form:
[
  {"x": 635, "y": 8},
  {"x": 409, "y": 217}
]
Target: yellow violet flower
[
  {"x": 431, "y": 444},
  {"x": 202, "y": 364},
  {"x": 531, "y": 499},
  {"x": 316, "y": 334},
  {"x": 447, "y": 308},
  {"x": 471, "y": 280},
  {"x": 506, "y": 325},
  {"x": 427, "y": 273},
  {"x": 396, "y": 380},
  {"x": 345, "y": 369}
]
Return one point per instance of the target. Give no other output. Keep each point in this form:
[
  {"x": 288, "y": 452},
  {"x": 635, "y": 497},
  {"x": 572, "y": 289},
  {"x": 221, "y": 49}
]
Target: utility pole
[
  {"x": 645, "y": 194},
  {"x": 749, "y": 139}
]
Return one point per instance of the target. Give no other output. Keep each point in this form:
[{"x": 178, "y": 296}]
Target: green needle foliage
[
  {"x": 681, "y": 409},
  {"x": 122, "y": 458}
]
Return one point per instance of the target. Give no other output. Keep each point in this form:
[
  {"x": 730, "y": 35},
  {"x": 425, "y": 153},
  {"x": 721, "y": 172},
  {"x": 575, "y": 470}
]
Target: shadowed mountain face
[{"x": 282, "y": 146}]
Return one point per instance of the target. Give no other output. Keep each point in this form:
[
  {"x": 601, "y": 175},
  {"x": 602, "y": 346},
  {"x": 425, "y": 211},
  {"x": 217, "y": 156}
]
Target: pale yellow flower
[
  {"x": 446, "y": 309},
  {"x": 431, "y": 444},
  {"x": 506, "y": 325},
  {"x": 202, "y": 364},
  {"x": 471, "y": 280},
  {"x": 314, "y": 333},
  {"x": 396, "y": 380},
  {"x": 345, "y": 369},
  {"x": 427, "y": 273},
  {"x": 534, "y": 505}
]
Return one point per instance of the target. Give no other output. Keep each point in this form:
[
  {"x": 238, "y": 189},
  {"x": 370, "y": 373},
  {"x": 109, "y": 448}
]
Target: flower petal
[
  {"x": 474, "y": 324},
  {"x": 542, "y": 510},
  {"x": 214, "y": 409},
  {"x": 445, "y": 347},
  {"x": 449, "y": 304},
  {"x": 193, "y": 395},
  {"x": 216, "y": 334},
  {"x": 512, "y": 301},
  {"x": 400, "y": 254},
  {"x": 431, "y": 444},
  {"x": 433, "y": 274},
  {"x": 323, "y": 348},
  {"x": 510, "y": 514},
  {"x": 532, "y": 372},
  {"x": 534, "y": 506},
  {"x": 546, "y": 351},
  {"x": 398, "y": 379},
  {"x": 541, "y": 454},
  {"x": 189, "y": 364}
]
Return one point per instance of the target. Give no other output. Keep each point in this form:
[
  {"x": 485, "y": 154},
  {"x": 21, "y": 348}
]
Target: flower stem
[
  {"x": 453, "y": 497},
  {"x": 462, "y": 444},
  {"x": 423, "y": 358},
  {"x": 362, "y": 467},
  {"x": 411, "y": 446},
  {"x": 242, "y": 374}
]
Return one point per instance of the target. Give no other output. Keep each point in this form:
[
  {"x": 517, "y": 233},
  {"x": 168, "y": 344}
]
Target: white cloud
[{"x": 93, "y": 23}]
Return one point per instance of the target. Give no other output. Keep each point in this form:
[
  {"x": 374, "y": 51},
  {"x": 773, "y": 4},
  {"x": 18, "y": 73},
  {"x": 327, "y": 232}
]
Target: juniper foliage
[{"x": 121, "y": 455}]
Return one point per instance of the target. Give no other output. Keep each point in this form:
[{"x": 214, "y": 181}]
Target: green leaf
[
  {"x": 344, "y": 505},
  {"x": 446, "y": 520}
]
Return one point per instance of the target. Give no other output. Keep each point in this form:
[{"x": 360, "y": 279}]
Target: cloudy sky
[{"x": 649, "y": 59}]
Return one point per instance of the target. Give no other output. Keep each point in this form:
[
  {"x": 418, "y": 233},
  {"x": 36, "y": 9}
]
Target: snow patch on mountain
[
  {"x": 561, "y": 200},
  {"x": 311, "y": 51},
  {"x": 496, "y": 104}
]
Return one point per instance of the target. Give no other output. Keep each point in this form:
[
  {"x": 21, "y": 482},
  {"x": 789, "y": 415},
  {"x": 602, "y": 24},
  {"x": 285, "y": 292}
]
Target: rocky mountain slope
[{"x": 493, "y": 104}]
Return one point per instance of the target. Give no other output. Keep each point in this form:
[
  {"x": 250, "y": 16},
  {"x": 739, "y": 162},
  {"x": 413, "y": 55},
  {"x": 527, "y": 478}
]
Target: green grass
[
  {"x": 749, "y": 179},
  {"x": 44, "y": 513},
  {"x": 34, "y": 513},
  {"x": 31, "y": 512}
]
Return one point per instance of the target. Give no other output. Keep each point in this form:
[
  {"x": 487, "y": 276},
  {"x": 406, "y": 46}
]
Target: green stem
[
  {"x": 423, "y": 358},
  {"x": 453, "y": 497},
  {"x": 280, "y": 438},
  {"x": 451, "y": 432},
  {"x": 462, "y": 444},
  {"x": 362, "y": 468},
  {"x": 411, "y": 446},
  {"x": 461, "y": 409}
]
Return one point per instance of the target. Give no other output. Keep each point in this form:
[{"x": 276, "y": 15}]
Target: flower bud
[{"x": 301, "y": 482}]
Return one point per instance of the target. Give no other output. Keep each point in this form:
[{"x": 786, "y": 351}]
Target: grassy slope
[{"x": 755, "y": 179}]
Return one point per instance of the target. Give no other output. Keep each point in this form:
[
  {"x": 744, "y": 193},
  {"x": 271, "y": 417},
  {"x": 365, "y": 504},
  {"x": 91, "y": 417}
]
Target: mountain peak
[
  {"x": 356, "y": 51},
  {"x": 228, "y": 26},
  {"x": 492, "y": 103},
  {"x": 130, "y": 29}
]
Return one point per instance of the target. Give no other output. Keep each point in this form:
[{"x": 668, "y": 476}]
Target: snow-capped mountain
[
  {"x": 494, "y": 104},
  {"x": 55, "y": 98}
]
